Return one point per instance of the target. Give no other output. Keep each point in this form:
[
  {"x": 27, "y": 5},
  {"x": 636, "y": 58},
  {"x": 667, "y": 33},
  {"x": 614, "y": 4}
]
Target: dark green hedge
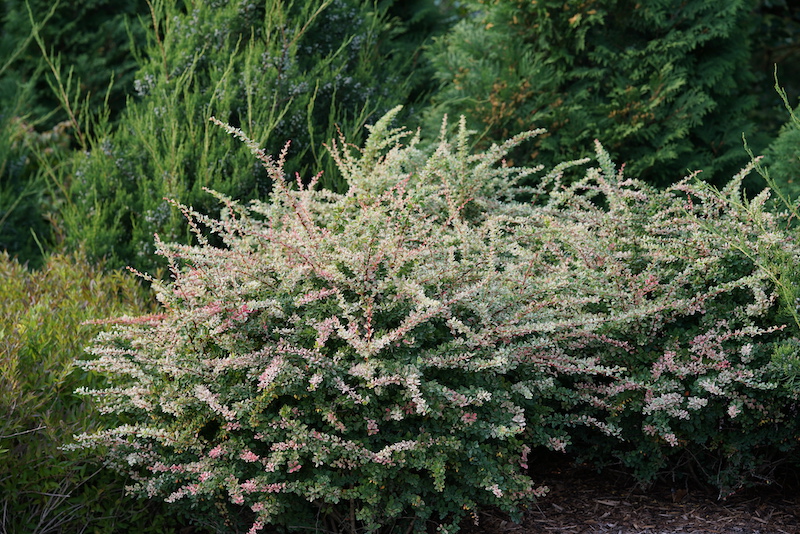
[{"x": 665, "y": 85}]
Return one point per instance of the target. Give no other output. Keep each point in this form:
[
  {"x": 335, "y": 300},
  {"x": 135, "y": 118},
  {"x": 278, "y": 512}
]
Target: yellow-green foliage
[{"x": 42, "y": 331}]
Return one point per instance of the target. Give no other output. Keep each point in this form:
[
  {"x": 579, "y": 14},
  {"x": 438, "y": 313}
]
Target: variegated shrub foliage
[{"x": 395, "y": 355}]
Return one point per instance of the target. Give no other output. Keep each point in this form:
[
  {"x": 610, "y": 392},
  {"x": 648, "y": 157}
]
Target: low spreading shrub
[
  {"x": 42, "y": 488},
  {"x": 704, "y": 389},
  {"x": 328, "y": 361},
  {"x": 391, "y": 355}
]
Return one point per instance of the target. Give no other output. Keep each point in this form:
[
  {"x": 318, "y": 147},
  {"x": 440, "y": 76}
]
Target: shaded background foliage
[
  {"x": 667, "y": 86},
  {"x": 22, "y": 192},
  {"x": 775, "y": 46},
  {"x": 34, "y": 134},
  {"x": 94, "y": 39},
  {"x": 783, "y": 157},
  {"x": 659, "y": 83}
]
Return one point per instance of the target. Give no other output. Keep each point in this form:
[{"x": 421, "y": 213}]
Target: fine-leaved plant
[
  {"x": 665, "y": 85},
  {"x": 44, "y": 489}
]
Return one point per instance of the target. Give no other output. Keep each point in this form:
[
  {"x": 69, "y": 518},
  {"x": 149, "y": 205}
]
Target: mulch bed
[{"x": 583, "y": 501}]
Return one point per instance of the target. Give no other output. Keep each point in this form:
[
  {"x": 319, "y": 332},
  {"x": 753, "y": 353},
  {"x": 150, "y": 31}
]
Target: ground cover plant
[
  {"x": 396, "y": 354},
  {"x": 708, "y": 394}
]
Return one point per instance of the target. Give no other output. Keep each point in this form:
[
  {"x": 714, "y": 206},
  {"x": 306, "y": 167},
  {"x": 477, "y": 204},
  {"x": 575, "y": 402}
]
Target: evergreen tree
[
  {"x": 296, "y": 71},
  {"x": 776, "y": 49},
  {"x": 663, "y": 84}
]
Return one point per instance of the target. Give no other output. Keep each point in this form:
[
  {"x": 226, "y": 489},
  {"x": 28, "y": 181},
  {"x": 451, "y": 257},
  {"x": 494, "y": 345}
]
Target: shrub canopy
[{"x": 391, "y": 354}]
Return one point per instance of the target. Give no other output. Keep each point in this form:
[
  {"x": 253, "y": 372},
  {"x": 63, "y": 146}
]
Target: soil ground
[{"x": 581, "y": 501}]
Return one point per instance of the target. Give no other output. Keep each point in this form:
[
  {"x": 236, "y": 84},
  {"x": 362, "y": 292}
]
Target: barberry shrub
[
  {"x": 391, "y": 355},
  {"x": 708, "y": 359},
  {"x": 331, "y": 360}
]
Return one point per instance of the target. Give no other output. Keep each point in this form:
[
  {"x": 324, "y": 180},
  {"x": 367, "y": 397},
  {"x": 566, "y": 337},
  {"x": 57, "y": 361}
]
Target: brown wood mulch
[{"x": 582, "y": 501}]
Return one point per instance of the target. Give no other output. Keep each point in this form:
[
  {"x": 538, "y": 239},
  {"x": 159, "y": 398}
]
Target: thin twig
[{"x": 24, "y": 432}]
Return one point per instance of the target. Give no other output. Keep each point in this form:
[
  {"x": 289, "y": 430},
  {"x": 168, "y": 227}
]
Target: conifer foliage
[
  {"x": 783, "y": 156},
  {"x": 663, "y": 84},
  {"x": 292, "y": 71},
  {"x": 90, "y": 39},
  {"x": 390, "y": 356}
]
